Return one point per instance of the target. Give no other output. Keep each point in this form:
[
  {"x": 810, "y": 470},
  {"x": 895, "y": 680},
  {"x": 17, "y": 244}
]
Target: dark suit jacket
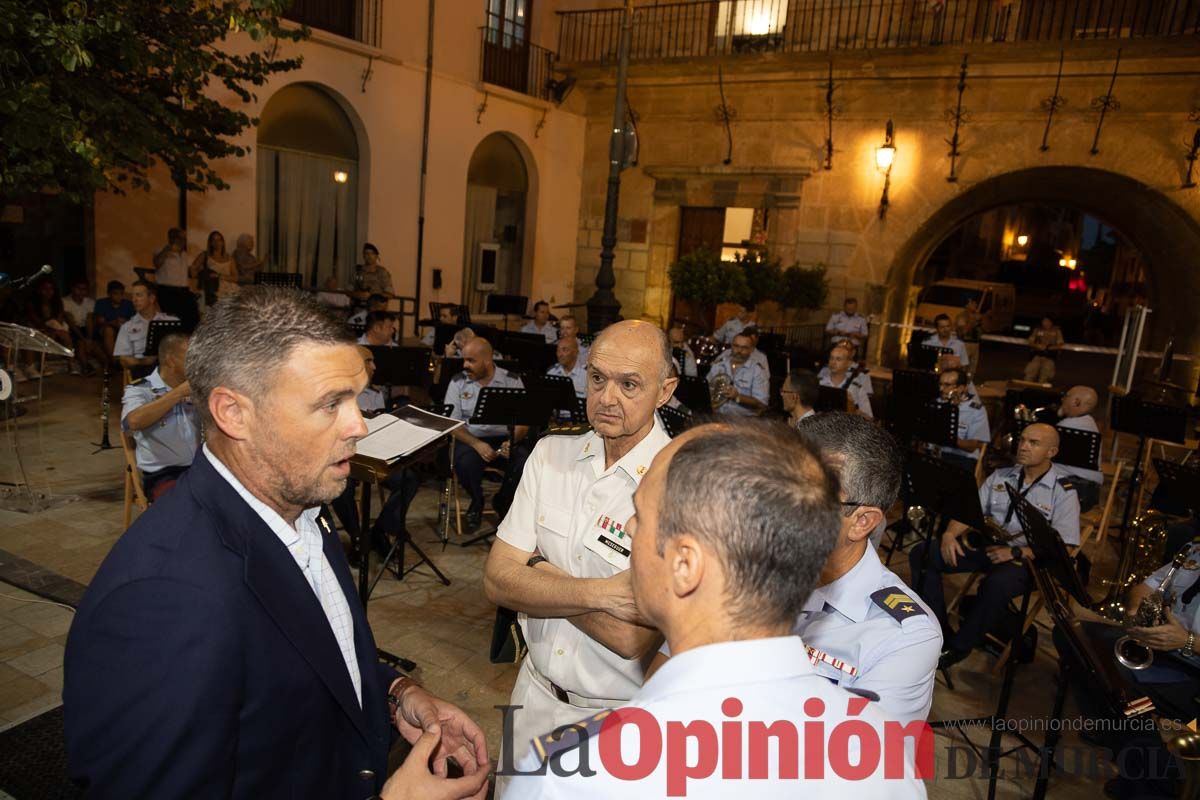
[{"x": 201, "y": 665}]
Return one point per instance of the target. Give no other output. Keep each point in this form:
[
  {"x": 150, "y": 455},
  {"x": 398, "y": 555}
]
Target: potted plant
[{"x": 700, "y": 281}]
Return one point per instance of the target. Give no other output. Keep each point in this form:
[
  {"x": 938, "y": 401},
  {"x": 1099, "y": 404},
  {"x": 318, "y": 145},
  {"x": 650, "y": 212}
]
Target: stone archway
[{"x": 1167, "y": 236}]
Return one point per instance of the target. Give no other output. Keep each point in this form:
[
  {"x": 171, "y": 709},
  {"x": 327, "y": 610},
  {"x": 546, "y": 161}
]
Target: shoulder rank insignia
[
  {"x": 137, "y": 382},
  {"x": 568, "y": 736},
  {"x": 898, "y": 603},
  {"x": 976, "y": 404},
  {"x": 1068, "y": 482}
]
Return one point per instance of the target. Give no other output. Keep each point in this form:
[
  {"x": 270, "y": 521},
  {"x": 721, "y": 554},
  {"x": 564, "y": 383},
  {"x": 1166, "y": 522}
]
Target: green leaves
[
  {"x": 93, "y": 93},
  {"x": 750, "y": 279}
]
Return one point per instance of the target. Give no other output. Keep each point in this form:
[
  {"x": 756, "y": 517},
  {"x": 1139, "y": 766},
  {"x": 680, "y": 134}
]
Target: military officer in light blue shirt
[
  {"x": 734, "y": 325},
  {"x": 839, "y": 375},
  {"x": 1047, "y": 488},
  {"x": 570, "y": 365},
  {"x": 679, "y": 342},
  {"x": 945, "y": 338},
  {"x": 748, "y": 392},
  {"x": 848, "y": 325},
  {"x": 973, "y": 430},
  {"x": 541, "y": 324},
  {"x": 864, "y": 628},
  {"x": 478, "y": 445},
  {"x": 158, "y": 411}
]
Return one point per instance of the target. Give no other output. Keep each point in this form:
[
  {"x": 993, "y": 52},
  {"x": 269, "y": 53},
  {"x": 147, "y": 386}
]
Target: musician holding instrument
[
  {"x": 740, "y": 385},
  {"x": 945, "y": 338},
  {"x": 840, "y": 375},
  {"x": 1075, "y": 411},
  {"x": 1037, "y": 479},
  {"x": 1166, "y": 670},
  {"x": 973, "y": 430},
  {"x": 847, "y": 325}
]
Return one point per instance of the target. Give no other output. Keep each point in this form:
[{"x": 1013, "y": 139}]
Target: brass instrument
[
  {"x": 718, "y": 390},
  {"x": 1022, "y": 415},
  {"x": 1150, "y": 613},
  {"x": 1186, "y": 749},
  {"x": 1142, "y": 553}
]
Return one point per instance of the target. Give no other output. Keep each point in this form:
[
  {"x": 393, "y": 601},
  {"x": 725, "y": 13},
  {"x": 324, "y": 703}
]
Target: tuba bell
[
  {"x": 718, "y": 390},
  {"x": 1142, "y": 553},
  {"x": 1152, "y": 611}
]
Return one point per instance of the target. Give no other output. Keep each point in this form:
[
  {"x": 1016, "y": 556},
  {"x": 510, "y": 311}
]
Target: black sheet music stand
[
  {"x": 693, "y": 392},
  {"x": 508, "y": 305},
  {"x": 675, "y": 421},
  {"x": 560, "y": 386},
  {"x": 286, "y": 280},
  {"x": 831, "y": 398},
  {"x": 402, "y": 366},
  {"x": 925, "y": 356},
  {"x": 1078, "y": 448},
  {"x": 529, "y": 350},
  {"x": 914, "y": 386},
  {"x": 158, "y": 330},
  {"x": 1180, "y": 483},
  {"x": 945, "y": 492},
  {"x": 1146, "y": 420}
]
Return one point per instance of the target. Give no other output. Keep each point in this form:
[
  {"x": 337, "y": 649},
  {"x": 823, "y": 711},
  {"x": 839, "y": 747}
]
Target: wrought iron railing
[
  {"x": 361, "y": 20},
  {"x": 731, "y": 27},
  {"x": 505, "y": 60}
]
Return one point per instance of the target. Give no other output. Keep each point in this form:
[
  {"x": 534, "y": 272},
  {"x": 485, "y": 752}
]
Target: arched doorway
[
  {"x": 1165, "y": 235},
  {"x": 308, "y": 175},
  {"x": 496, "y": 230}
]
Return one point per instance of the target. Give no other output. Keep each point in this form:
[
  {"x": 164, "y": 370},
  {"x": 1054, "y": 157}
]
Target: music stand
[
  {"x": 915, "y": 386},
  {"x": 946, "y": 491},
  {"x": 507, "y": 305},
  {"x": 285, "y": 280},
  {"x": 1078, "y": 448},
  {"x": 675, "y": 421},
  {"x": 529, "y": 350},
  {"x": 925, "y": 356},
  {"x": 831, "y": 398},
  {"x": 402, "y": 366},
  {"x": 157, "y": 331},
  {"x": 560, "y": 386},
  {"x": 694, "y": 393},
  {"x": 1180, "y": 483},
  {"x": 1146, "y": 420},
  {"x": 443, "y": 334}
]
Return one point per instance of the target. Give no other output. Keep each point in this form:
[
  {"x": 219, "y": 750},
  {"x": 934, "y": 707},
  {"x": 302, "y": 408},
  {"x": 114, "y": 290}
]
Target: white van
[{"x": 997, "y": 302}]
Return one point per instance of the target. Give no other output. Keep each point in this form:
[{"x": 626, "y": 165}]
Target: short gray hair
[
  {"x": 760, "y": 496},
  {"x": 171, "y": 344},
  {"x": 871, "y": 462},
  {"x": 245, "y": 338}
]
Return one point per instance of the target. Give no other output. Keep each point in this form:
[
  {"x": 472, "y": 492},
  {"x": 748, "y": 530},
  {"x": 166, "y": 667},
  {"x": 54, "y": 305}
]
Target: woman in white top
[{"x": 215, "y": 262}]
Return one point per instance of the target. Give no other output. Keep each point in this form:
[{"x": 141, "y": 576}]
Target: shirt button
[
  {"x": 558, "y": 652},
  {"x": 366, "y": 774}
]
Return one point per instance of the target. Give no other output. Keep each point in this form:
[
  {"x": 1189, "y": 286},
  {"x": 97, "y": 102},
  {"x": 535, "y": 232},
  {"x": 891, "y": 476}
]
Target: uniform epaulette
[
  {"x": 137, "y": 381},
  {"x": 1068, "y": 482},
  {"x": 976, "y": 404},
  {"x": 898, "y": 603},
  {"x": 568, "y": 429},
  {"x": 560, "y": 741}
]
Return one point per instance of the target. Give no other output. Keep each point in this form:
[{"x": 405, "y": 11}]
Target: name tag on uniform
[{"x": 609, "y": 540}]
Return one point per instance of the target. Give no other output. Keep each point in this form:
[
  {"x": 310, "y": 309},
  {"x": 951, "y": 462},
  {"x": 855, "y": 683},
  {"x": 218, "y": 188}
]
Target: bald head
[
  {"x": 629, "y": 376},
  {"x": 1039, "y": 445},
  {"x": 368, "y": 361},
  {"x": 1079, "y": 400},
  {"x": 636, "y": 341},
  {"x": 477, "y": 359}
]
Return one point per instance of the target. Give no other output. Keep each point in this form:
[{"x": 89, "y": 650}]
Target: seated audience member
[
  {"x": 1147, "y": 764},
  {"x": 376, "y": 302},
  {"x": 331, "y": 296},
  {"x": 840, "y": 373},
  {"x": 381, "y": 330},
  {"x": 79, "y": 308},
  {"x": 734, "y": 325},
  {"x": 847, "y": 325},
  {"x": 747, "y": 391},
  {"x": 974, "y": 433},
  {"x": 130, "y": 346},
  {"x": 945, "y": 338},
  {"x": 1036, "y": 478},
  {"x": 110, "y": 313},
  {"x": 867, "y": 629},
  {"x": 541, "y": 324},
  {"x": 158, "y": 411},
  {"x": 44, "y": 313},
  {"x": 476, "y": 446},
  {"x": 799, "y": 395},
  {"x": 1075, "y": 411},
  {"x": 718, "y": 503},
  {"x": 454, "y": 347},
  {"x": 1044, "y": 344},
  {"x": 679, "y": 342}
]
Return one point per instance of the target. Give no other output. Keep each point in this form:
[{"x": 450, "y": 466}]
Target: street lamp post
[{"x": 603, "y": 306}]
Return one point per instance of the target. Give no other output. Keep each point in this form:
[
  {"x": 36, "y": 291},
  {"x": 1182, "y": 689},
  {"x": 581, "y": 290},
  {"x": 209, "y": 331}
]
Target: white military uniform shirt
[
  {"x": 841, "y": 325},
  {"x": 548, "y": 331},
  {"x": 1059, "y": 505},
  {"x": 566, "y": 501},
  {"x": 860, "y": 389},
  {"x": 751, "y": 379},
  {"x": 462, "y": 393},
  {"x": 868, "y": 630},
  {"x": 955, "y": 345},
  {"x": 1084, "y": 422},
  {"x": 131, "y": 337},
  {"x": 972, "y": 424},
  {"x": 773, "y": 680}
]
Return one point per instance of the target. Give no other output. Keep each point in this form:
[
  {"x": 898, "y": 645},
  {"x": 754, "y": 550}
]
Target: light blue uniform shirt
[
  {"x": 170, "y": 442},
  {"x": 1058, "y": 505},
  {"x": 841, "y": 324},
  {"x": 1084, "y": 422},
  {"x": 463, "y": 393},
  {"x": 773, "y": 680},
  {"x": 860, "y": 389},
  {"x": 972, "y": 424},
  {"x": 759, "y": 357},
  {"x": 870, "y": 631},
  {"x": 548, "y": 331},
  {"x": 750, "y": 379},
  {"x": 578, "y": 375},
  {"x": 688, "y": 368},
  {"x": 730, "y": 329},
  {"x": 955, "y": 345},
  {"x": 1188, "y": 614}
]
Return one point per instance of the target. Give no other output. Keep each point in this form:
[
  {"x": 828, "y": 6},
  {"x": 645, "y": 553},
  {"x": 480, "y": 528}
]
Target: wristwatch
[
  {"x": 1187, "y": 648},
  {"x": 396, "y": 691},
  {"x": 535, "y": 559},
  {"x": 1016, "y": 553}
]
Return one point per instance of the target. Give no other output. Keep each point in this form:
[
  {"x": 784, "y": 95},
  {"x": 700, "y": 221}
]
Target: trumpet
[{"x": 1151, "y": 612}]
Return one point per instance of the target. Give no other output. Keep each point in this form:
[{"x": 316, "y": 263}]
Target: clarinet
[{"x": 104, "y": 443}]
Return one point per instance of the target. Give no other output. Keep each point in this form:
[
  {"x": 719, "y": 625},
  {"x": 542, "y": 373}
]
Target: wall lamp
[
  {"x": 885, "y": 155},
  {"x": 341, "y": 176},
  {"x": 1022, "y": 240}
]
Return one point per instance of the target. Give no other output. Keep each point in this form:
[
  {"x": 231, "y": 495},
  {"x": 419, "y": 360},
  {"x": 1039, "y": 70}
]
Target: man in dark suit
[{"x": 221, "y": 650}]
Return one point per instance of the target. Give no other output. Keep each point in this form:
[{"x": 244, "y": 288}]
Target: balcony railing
[
  {"x": 505, "y": 60},
  {"x": 361, "y": 20},
  {"x": 731, "y": 27}
]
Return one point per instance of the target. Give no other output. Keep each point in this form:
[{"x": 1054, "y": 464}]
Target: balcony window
[
  {"x": 353, "y": 19},
  {"x": 750, "y": 24}
]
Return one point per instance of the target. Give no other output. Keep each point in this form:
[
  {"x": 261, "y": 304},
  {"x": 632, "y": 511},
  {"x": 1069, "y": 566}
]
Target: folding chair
[{"x": 135, "y": 494}]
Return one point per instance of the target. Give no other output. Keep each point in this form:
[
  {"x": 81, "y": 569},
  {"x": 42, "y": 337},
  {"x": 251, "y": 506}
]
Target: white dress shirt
[
  {"x": 173, "y": 271},
  {"x": 305, "y": 544},
  {"x": 132, "y": 336}
]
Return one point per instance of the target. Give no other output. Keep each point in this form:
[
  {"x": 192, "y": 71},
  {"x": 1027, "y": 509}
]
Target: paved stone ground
[{"x": 446, "y": 630}]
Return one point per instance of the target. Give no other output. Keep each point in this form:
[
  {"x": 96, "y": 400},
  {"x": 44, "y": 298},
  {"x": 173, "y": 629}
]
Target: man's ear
[
  {"x": 866, "y": 520},
  {"x": 668, "y": 389},
  {"x": 232, "y": 412},
  {"x": 687, "y": 563}
]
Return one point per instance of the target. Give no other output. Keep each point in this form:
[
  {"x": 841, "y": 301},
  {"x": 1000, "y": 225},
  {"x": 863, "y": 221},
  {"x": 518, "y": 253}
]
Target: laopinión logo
[{"x": 852, "y": 749}]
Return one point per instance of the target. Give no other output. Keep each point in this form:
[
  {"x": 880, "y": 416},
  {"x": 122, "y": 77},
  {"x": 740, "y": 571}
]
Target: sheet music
[{"x": 395, "y": 435}]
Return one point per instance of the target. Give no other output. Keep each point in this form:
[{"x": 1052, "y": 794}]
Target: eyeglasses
[{"x": 850, "y": 506}]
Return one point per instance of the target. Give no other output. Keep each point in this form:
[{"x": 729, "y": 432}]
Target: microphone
[{"x": 8, "y": 280}]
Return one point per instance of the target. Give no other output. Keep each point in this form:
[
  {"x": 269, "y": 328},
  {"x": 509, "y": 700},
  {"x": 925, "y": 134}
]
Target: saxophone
[{"x": 1151, "y": 612}]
